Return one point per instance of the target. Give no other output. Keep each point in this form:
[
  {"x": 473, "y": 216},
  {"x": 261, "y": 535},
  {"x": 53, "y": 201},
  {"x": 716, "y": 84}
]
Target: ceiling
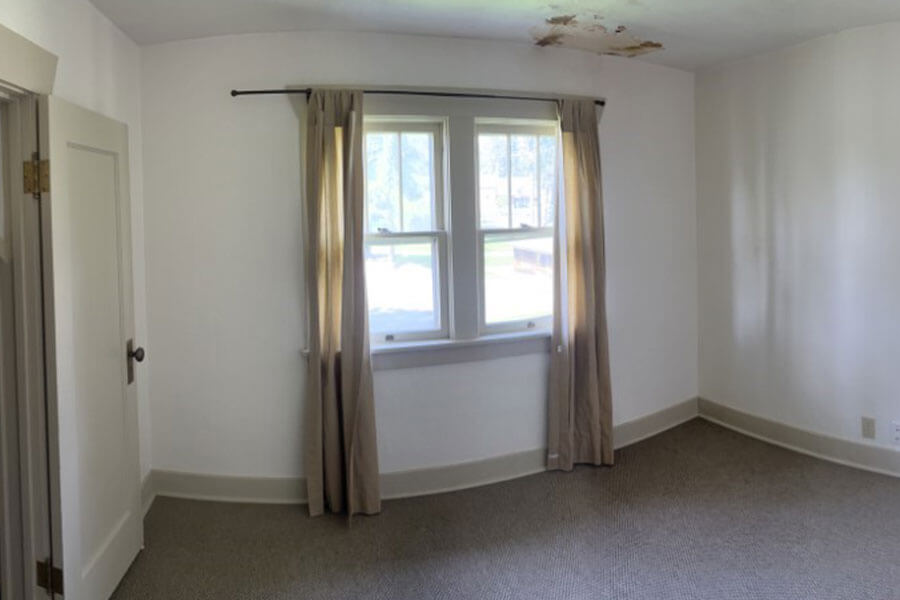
[{"x": 693, "y": 33}]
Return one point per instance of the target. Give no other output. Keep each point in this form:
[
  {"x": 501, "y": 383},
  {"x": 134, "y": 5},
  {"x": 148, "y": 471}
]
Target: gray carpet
[{"x": 697, "y": 512}]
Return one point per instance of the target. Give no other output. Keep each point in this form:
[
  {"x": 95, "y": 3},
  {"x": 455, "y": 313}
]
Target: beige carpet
[{"x": 697, "y": 512}]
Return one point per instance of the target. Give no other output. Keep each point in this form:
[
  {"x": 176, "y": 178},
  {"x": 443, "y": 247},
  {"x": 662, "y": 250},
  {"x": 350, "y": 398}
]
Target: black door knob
[{"x": 137, "y": 354}]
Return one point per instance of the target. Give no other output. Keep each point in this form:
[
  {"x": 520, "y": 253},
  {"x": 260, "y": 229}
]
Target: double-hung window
[
  {"x": 517, "y": 189},
  {"x": 460, "y": 205},
  {"x": 406, "y": 242}
]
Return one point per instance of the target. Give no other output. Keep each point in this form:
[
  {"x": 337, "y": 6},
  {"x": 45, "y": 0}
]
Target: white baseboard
[
  {"x": 227, "y": 488},
  {"x": 148, "y": 492},
  {"x": 400, "y": 484},
  {"x": 653, "y": 424},
  {"x": 869, "y": 457}
]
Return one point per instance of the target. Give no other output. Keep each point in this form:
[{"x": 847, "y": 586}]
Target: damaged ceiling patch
[{"x": 587, "y": 32}]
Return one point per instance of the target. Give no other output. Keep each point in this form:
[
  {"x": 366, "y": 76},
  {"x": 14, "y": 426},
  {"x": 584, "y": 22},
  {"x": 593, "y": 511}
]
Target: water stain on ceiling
[{"x": 588, "y": 32}]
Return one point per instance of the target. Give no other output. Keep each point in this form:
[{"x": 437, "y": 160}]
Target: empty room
[{"x": 407, "y": 299}]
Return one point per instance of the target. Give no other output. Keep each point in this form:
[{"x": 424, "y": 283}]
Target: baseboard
[
  {"x": 400, "y": 484},
  {"x": 653, "y": 424},
  {"x": 148, "y": 492},
  {"x": 228, "y": 488},
  {"x": 449, "y": 478},
  {"x": 868, "y": 457},
  {"x": 421, "y": 482}
]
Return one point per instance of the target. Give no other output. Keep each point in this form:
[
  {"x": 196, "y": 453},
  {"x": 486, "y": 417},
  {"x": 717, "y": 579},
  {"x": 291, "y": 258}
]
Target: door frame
[
  {"x": 11, "y": 541},
  {"x": 26, "y": 70},
  {"x": 28, "y": 221}
]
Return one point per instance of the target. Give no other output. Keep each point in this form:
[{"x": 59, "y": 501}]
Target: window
[
  {"x": 406, "y": 244},
  {"x": 459, "y": 218},
  {"x": 516, "y": 199}
]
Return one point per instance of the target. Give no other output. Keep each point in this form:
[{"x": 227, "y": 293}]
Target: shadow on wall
[{"x": 800, "y": 299}]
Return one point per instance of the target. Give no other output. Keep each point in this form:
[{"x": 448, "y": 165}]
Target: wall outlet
[
  {"x": 895, "y": 432},
  {"x": 868, "y": 428}
]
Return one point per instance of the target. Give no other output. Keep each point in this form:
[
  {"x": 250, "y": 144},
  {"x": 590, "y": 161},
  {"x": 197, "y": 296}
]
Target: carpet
[{"x": 697, "y": 512}]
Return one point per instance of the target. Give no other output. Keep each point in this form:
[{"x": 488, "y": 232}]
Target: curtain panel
[
  {"x": 580, "y": 399},
  {"x": 341, "y": 455}
]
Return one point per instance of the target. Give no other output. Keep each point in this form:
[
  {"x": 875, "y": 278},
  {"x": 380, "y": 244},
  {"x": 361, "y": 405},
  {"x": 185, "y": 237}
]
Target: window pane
[
  {"x": 548, "y": 179},
  {"x": 418, "y": 181},
  {"x": 518, "y": 278},
  {"x": 493, "y": 180},
  {"x": 383, "y": 181},
  {"x": 402, "y": 286},
  {"x": 524, "y": 180}
]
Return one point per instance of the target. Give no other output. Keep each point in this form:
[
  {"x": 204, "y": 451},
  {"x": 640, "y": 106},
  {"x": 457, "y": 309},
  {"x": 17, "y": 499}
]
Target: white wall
[
  {"x": 223, "y": 236},
  {"x": 798, "y": 185},
  {"x": 99, "y": 68}
]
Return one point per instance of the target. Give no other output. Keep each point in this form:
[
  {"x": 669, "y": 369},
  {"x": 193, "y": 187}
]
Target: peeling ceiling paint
[{"x": 588, "y": 32}]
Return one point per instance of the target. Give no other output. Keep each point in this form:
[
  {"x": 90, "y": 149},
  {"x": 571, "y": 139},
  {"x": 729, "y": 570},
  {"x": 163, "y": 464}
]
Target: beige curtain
[
  {"x": 341, "y": 452},
  {"x": 580, "y": 408}
]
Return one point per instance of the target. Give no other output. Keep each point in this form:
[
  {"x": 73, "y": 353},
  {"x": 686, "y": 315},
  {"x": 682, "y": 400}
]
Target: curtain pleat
[
  {"x": 341, "y": 455},
  {"x": 580, "y": 399}
]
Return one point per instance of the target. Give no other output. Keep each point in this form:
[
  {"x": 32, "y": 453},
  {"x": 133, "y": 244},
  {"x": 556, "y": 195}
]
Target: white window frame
[
  {"x": 510, "y": 127},
  {"x": 437, "y": 235},
  {"x": 462, "y": 264}
]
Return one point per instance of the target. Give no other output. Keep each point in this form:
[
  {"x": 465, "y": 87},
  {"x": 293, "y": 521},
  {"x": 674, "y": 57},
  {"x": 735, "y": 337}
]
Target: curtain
[
  {"x": 580, "y": 400},
  {"x": 341, "y": 460}
]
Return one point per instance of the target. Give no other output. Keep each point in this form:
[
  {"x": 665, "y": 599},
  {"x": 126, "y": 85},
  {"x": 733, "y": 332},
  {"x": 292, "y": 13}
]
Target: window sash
[
  {"x": 536, "y": 324},
  {"x": 508, "y": 129},
  {"x": 439, "y": 286},
  {"x": 400, "y": 125},
  {"x": 517, "y": 126}
]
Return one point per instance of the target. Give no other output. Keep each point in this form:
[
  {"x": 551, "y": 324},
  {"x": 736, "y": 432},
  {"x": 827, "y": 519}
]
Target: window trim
[{"x": 404, "y": 355}]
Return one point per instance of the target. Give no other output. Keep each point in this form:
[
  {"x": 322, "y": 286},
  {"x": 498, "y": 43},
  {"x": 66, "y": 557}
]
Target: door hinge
[
  {"x": 49, "y": 577},
  {"x": 36, "y": 177}
]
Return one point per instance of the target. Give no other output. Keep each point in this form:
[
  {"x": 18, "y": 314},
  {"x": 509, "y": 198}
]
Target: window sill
[{"x": 405, "y": 355}]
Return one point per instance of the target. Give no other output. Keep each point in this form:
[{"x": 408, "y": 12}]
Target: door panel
[
  {"x": 99, "y": 386},
  {"x": 98, "y": 486}
]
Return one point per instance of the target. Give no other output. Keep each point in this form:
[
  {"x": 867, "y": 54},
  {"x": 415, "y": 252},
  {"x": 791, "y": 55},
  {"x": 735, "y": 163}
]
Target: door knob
[
  {"x": 134, "y": 355},
  {"x": 137, "y": 354}
]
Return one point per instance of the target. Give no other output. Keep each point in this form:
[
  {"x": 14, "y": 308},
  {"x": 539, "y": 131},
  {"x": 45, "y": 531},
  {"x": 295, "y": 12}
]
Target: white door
[{"x": 95, "y": 485}]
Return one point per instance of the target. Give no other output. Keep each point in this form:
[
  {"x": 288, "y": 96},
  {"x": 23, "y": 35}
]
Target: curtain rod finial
[{"x": 234, "y": 93}]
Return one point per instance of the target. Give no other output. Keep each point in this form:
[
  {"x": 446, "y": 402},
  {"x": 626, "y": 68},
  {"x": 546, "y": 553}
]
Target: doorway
[
  {"x": 11, "y": 568},
  {"x": 25, "y": 507}
]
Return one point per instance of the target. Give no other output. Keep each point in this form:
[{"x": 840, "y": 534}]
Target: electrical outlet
[
  {"x": 868, "y": 428},
  {"x": 895, "y": 432}
]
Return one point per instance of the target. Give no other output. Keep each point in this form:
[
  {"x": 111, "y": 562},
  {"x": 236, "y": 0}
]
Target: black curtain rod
[{"x": 308, "y": 91}]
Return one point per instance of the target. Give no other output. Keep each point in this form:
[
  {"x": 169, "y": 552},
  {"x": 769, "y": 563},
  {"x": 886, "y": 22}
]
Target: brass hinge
[
  {"x": 49, "y": 577},
  {"x": 36, "y": 177}
]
